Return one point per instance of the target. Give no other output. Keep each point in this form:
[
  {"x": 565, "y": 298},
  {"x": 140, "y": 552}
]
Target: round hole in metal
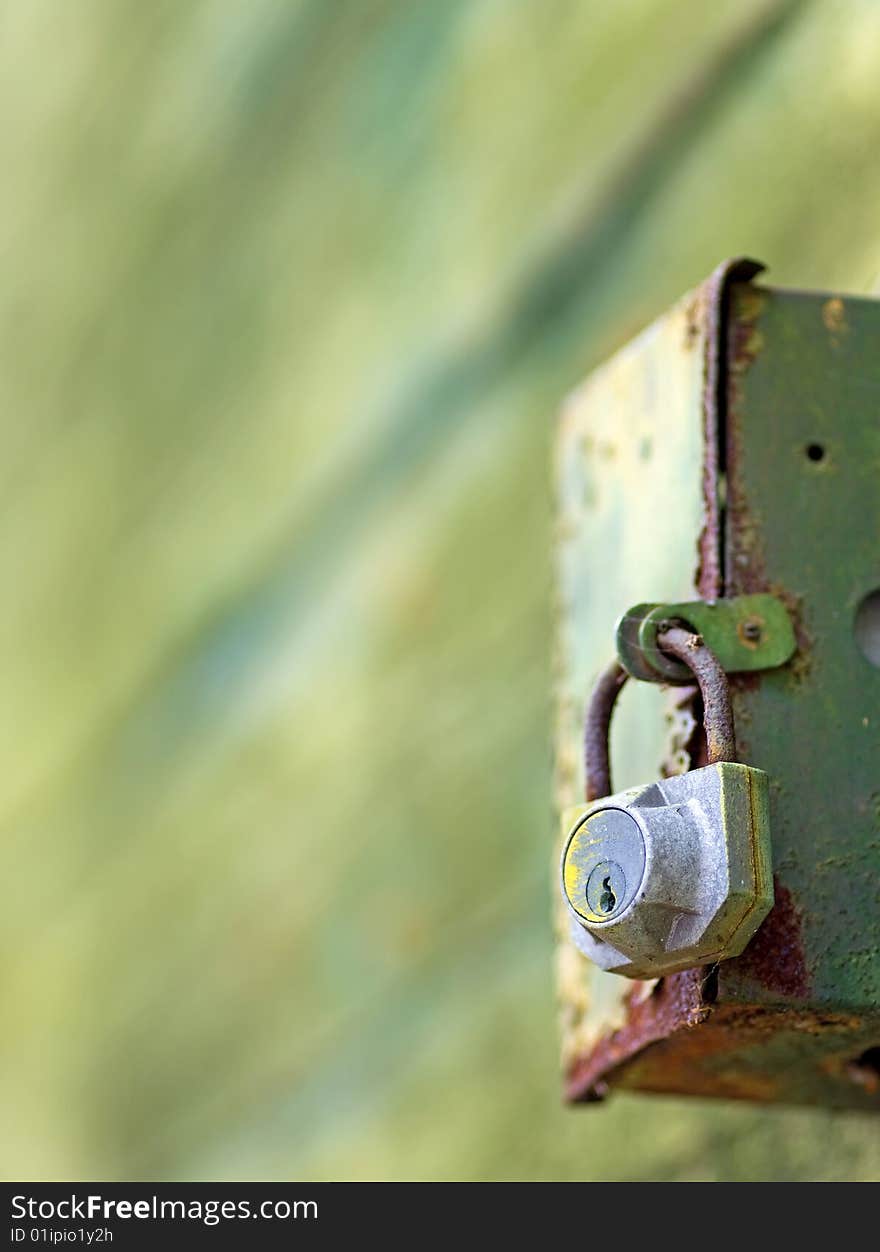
[{"x": 867, "y": 627}]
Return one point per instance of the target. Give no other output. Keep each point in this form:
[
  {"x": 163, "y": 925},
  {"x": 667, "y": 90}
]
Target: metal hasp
[
  {"x": 745, "y": 633},
  {"x": 733, "y": 450}
]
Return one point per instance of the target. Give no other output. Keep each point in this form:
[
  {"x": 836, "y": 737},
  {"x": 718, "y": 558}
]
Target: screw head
[{"x": 750, "y": 631}]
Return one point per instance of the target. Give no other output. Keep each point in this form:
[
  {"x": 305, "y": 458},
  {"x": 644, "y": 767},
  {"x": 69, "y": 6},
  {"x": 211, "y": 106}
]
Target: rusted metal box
[{"x": 734, "y": 447}]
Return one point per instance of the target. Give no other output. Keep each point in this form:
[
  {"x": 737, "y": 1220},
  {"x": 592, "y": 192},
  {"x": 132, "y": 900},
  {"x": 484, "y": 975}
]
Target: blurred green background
[{"x": 292, "y": 290}]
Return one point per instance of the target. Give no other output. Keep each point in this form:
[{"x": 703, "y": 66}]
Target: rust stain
[
  {"x": 708, "y": 579},
  {"x": 801, "y": 663},
  {"x": 834, "y": 318},
  {"x": 720, "y": 1052},
  {"x": 775, "y": 957},
  {"x": 703, "y": 1062},
  {"x": 714, "y": 296},
  {"x": 746, "y": 571},
  {"x": 725, "y": 1057},
  {"x": 676, "y": 1002}
]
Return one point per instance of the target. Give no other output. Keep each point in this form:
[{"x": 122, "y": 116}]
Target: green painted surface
[
  {"x": 804, "y": 486},
  {"x": 291, "y": 294}
]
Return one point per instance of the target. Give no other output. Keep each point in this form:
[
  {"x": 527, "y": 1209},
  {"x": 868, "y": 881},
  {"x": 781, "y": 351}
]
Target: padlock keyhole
[{"x": 606, "y": 891}]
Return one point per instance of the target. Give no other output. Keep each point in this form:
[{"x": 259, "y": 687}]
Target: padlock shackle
[
  {"x": 717, "y": 709},
  {"x": 597, "y": 725},
  {"x": 714, "y": 688}
]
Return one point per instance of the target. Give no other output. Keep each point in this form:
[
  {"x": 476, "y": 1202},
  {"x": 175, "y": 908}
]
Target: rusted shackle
[{"x": 688, "y": 648}]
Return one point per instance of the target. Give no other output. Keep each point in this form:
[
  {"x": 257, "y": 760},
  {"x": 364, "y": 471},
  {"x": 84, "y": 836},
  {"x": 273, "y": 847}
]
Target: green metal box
[{"x": 734, "y": 447}]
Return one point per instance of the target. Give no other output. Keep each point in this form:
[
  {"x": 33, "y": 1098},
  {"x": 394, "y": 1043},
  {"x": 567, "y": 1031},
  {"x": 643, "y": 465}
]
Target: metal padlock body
[{"x": 671, "y": 875}]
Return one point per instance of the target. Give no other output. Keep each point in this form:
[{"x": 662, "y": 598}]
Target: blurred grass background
[{"x": 291, "y": 293}]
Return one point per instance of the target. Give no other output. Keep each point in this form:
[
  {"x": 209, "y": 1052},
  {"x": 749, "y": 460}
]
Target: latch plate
[{"x": 746, "y": 633}]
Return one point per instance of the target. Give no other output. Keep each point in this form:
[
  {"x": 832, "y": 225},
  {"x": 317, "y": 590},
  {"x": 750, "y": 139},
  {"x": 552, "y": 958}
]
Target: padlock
[{"x": 676, "y": 873}]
